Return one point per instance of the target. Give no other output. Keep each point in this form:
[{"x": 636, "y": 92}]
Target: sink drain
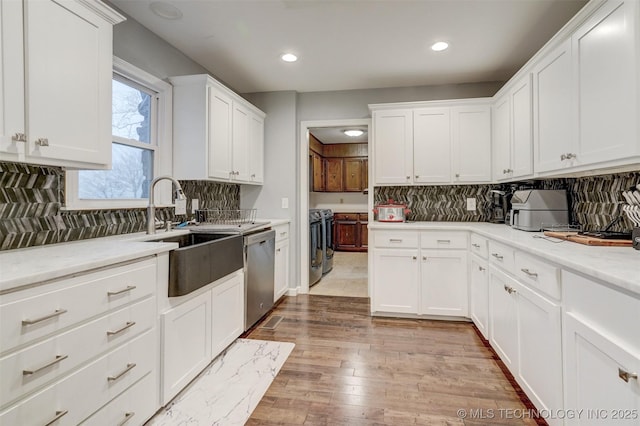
[{"x": 272, "y": 323}]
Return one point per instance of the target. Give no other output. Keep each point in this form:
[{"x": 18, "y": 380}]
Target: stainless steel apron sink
[{"x": 200, "y": 259}]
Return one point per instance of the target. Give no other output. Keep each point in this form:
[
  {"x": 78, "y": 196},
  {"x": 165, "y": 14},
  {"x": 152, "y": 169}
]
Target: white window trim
[{"x": 163, "y": 158}]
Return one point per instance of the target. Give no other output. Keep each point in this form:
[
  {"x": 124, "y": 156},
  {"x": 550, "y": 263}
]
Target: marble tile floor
[
  {"x": 347, "y": 278},
  {"x": 227, "y": 392}
]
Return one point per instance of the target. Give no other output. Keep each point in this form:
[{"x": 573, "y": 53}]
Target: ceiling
[
  {"x": 333, "y": 135},
  {"x": 356, "y": 44}
]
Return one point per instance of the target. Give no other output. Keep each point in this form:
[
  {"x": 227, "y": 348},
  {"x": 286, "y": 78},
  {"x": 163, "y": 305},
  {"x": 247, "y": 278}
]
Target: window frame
[{"x": 163, "y": 149}]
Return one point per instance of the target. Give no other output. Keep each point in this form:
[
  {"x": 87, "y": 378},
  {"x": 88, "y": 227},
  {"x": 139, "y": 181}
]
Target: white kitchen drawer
[
  {"x": 86, "y": 390},
  {"x": 502, "y": 256},
  {"x": 538, "y": 275},
  {"x": 71, "y": 349},
  {"x": 132, "y": 407},
  {"x": 395, "y": 239},
  {"x": 282, "y": 232},
  {"x": 69, "y": 301},
  {"x": 479, "y": 246},
  {"x": 444, "y": 240}
]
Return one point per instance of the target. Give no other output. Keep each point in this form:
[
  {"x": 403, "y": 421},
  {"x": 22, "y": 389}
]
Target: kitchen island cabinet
[{"x": 49, "y": 51}]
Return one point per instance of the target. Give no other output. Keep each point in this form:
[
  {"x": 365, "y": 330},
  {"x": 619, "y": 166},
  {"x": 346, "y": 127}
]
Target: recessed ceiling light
[
  {"x": 289, "y": 57},
  {"x": 353, "y": 132},
  {"x": 165, "y": 10},
  {"x": 439, "y": 46}
]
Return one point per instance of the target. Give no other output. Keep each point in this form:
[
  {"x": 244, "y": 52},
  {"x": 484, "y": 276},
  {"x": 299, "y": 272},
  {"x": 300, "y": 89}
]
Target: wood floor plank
[{"x": 349, "y": 368}]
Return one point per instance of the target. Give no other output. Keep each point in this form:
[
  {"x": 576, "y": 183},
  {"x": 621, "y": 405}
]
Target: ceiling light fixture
[
  {"x": 353, "y": 132},
  {"x": 165, "y": 10},
  {"x": 289, "y": 57},
  {"x": 439, "y": 46}
]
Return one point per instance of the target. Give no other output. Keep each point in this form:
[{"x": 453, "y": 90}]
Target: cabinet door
[
  {"x": 353, "y": 174},
  {"x": 503, "y": 329},
  {"x": 68, "y": 52},
  {"x": 365, "y": 173},
  {"x": 364, "y": 235},
  {"x": 501, "y": 142},
  {"x": 521, "y": 129},
  {"x": 346, "y": 235},
  {"x": 281, "y": 269},
  {"x": 594, "y": 374},
  {"x": 227, "y": 305},
  {"x": 220, "y": 116},
  {"x": 333, "y": 173},
  {"x": 318, "y": 172},
  {"x": 395, "y": 281},
  {"x": 186, "y": 343},
  {"x": 605, "y": 59},
  {"x": 256, "y": 149},
  {"x": 393, "y": 145},
  {"x": 471, "y": 134},
  {"x": 443, "y": 283},
  {"x": 479, "y": 297},
  {"x": 240, "y": 143},
  {"x": 431, "y": 145},
  {"x": 11, "y": 80},
  {"x": 552, "y": 106},
  {"x": 540, "y": 350}
]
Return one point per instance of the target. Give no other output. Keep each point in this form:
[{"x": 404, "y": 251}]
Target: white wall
[{"x": 341, "y": 202}]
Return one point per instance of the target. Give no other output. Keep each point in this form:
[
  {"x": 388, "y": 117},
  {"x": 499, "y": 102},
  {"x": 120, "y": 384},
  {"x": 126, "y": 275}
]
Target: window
[{"x": 141, "y": 145}]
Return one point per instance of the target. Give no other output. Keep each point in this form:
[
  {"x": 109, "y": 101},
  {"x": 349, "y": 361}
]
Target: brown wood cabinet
[
  {"x": 350, "y": 231},
  {"x": 334, "y": 181},
  {"x": 316, "y": 162},
  {"x": 345, "y": 174}
]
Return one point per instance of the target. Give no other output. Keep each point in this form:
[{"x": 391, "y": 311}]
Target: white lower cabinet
[
  {"x": 443, "y": 282},
  {"x": 186, "y": 343},
  {"x": 503, "y": 329},
  {"x": 396, "y": 273},
  {"x": 601, "y": 352},
  {"x": 281, "y": 266},
  {"x": 227, "y": 301},
  {"x": 479, "y": 294}
]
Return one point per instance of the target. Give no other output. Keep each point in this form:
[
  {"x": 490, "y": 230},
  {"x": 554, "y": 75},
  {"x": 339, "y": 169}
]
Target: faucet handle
[{"x": 167, "y": 225}]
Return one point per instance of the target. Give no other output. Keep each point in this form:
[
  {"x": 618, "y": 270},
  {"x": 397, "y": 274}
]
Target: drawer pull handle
[
  {"x": 444, "y": 241},
  {"x": 625, "y": 375},
  {"x": 278, "y": 251},
  {"x": 508, "y": 289},
  {"x": 56, "y": 313},
  {"x": 283, "y": 233},
  {"x": 57, "y": 359},
  {"x": 59, "y": 415},
  {"x": 529, "y": 273},
  {"x": 395, "y": 240},
  {"x": 122, "y": 373},
  {"x": 481, "y": 269},
  {"x": 127, "y": 416},
  {"x": 497, "y": 256},
  {"x": 476, "y": 245},
  {"x": 124, "y": 290},
  {"x": 121, "y": 329}
]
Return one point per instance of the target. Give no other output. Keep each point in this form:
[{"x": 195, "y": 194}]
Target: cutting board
[{"x": 586, "y": 240}]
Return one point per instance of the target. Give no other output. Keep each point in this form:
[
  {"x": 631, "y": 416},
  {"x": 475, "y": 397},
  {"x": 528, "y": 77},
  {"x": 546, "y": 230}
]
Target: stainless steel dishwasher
[{"x": 259, "y": 257}]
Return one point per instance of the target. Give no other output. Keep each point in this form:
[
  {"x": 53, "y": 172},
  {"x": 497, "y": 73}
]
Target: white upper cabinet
[
  {"x": 56, "y": 76},
  {"x": 431, "y": 145},
  {"x": 552, "y": 103},
  {"x": 471, "y": 143},
  {"x": 512, "y": 138},
  {"x": 605, "y": 78},
  {"x": 217, "y": 134},
  {"x": 393, "y": 145}
]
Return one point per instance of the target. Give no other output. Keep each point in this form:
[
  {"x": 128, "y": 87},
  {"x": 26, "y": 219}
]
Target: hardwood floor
[{"x": 351, "y": 369}]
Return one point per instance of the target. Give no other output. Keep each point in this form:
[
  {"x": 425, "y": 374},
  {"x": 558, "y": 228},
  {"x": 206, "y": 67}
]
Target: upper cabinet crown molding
[
  {"x": 217, "y": 134},
  {"x": 56, "y": 61}
]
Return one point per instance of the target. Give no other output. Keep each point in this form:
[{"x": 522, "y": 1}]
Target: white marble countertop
[
  {"x": 618, "y": 266},
  {"x": 25, "y": 267}
]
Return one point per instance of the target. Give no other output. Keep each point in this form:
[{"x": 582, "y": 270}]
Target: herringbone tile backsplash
[
  {"x": 31, "y": 198},
  {"x": 30, "y": 208}
]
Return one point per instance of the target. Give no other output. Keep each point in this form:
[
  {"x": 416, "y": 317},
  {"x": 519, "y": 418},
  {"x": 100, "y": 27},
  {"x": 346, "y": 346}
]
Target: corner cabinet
[
  {"x": 55, "y": 72},
  {"x": 432, "y": 142},
  {"x": 217, "y": 134}
]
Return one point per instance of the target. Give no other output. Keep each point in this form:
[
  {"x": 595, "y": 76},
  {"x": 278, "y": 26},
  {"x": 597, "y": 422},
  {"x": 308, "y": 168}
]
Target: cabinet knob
[
  {"x": 481, "y": 269},
  {"x": 42, "y": 142},
  {"x": 625, "y": 375},
  {"x": 570, "y": 156},
  {"x": 457, "y": 175},
  {"x": 417, "y": 176},
  {"x": 253, "y": 175},
  {"x": 424, "y": 257},
  {"x": 414, "y": 257},
  {"x": 19, "y": 137},
  {"x": 504, "y": 171},
  {"x": 408, "y": 177}
]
